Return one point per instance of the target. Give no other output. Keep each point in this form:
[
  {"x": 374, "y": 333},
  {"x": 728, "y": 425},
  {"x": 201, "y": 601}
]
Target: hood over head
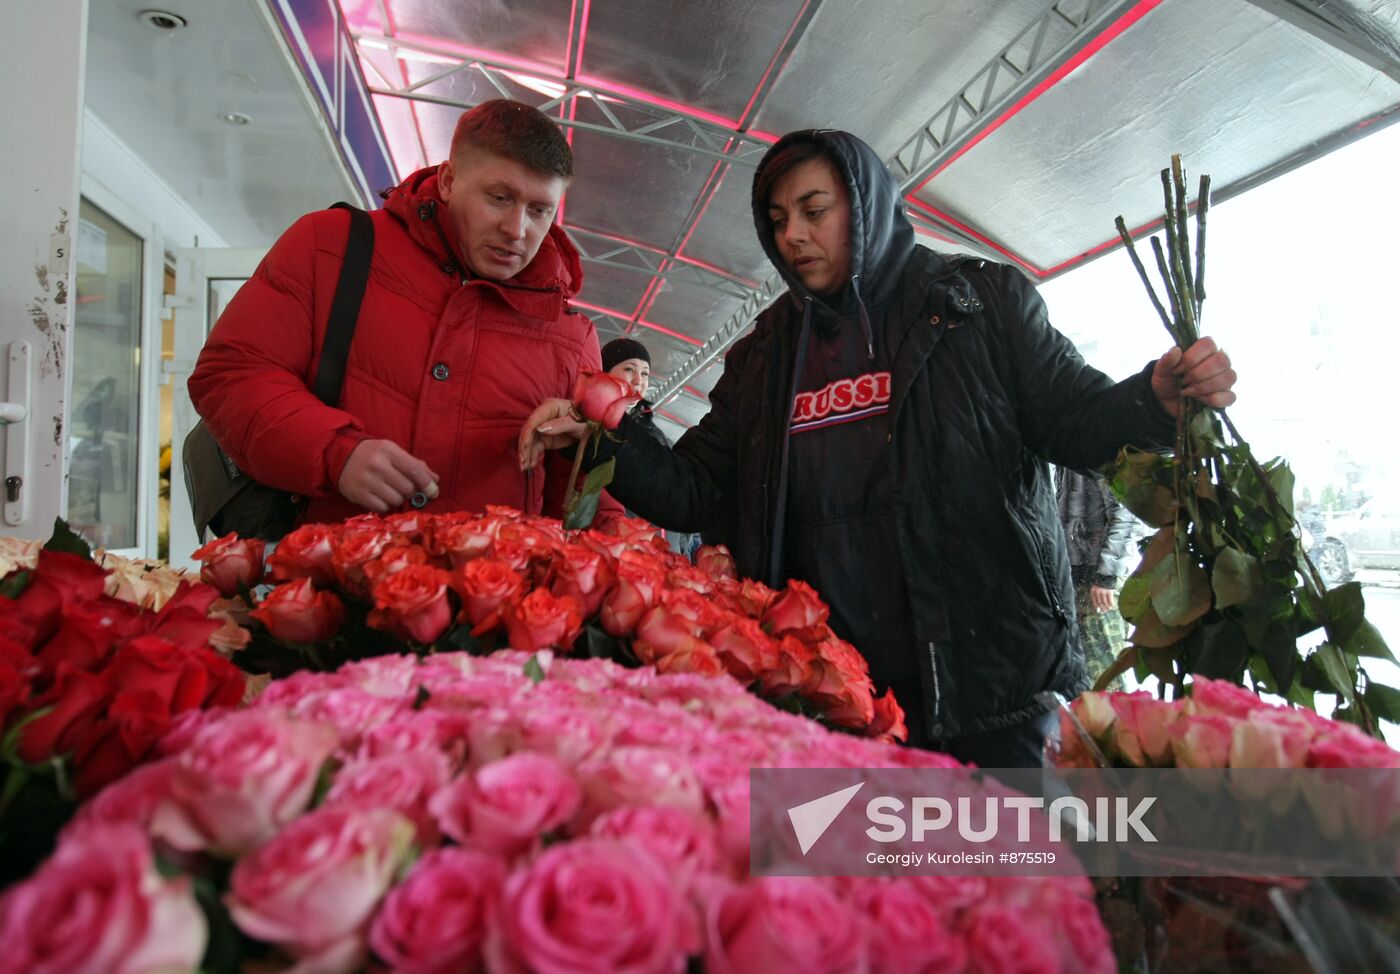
[{"x": 882, "y": 239}]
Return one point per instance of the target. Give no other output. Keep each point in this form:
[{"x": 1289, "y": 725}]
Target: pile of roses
[
  {"x": 93, "y": 681},
  {"x": 1219, "y": 725},
  {"x": 508, "y": 814},
  {"x": 479, "y": 582}
]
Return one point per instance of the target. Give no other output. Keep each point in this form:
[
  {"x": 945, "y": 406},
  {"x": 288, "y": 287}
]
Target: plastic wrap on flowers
[
  {"x": 1265, "y": 924},
  {"x": 90, "y": 679},
  {"x": 375, "y": 585},
  {"x": 453, "y": 813}
]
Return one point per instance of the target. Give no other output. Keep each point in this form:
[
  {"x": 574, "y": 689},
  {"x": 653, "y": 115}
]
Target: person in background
[
  {"x": 883, "y": 434},
  {"x": 1101, "y": 535},
  {"x": 465, "y": 326},
  {"x": 629, "y": 360}
]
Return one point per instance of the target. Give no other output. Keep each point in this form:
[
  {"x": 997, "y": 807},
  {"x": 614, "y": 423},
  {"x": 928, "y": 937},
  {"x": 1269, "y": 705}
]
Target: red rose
[
  {"x": 184, "y": 620},
  {"x": 17, "y": 670},
  {"x": 462, "y": 542},
  {"x": 603, "y": 398},
  {"x": 799, "y": 607},
  {"x": 584, "y": 574},
  {"x": 755, "y": 597},
  {"x": 640, "y": 581},
  {"x": 135, "y": 721},
  {"x": 413, "y": 603},
  {"x": 231, "y": 563},
  {"x": 746, "y": 651},
  {"x": 542, "y": 621},
  {"x": 356, "y": 550},
  {"x": 394, "y": 558},
  {"x": 297, "y": 613},
  {"x": 663, "y": 632},
  {"x": 688, "y": 576},
  {"x": 794, "y": 669},
  {"x": 513, "y": 553},
  {"x": 305, "y": 553},
  {"x": 60, "y": 580},
  {"x": 176, "y": 675},
  {"x": 485, "y": 585},
  {"x": 715, "y": 561},
  {"x": 888, "y": 721},
  {"x": 75, "y": 703},
  {"x": 88, "y": 632},
  {"x": 697, "y": 657}
]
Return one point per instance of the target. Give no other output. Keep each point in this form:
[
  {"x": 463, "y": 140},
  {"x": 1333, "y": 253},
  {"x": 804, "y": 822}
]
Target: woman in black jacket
[{"x": 883, "y": 434}]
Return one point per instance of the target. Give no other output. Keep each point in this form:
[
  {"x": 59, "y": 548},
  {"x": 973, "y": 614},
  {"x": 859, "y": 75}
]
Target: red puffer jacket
[{"x": 448, "y": 369}]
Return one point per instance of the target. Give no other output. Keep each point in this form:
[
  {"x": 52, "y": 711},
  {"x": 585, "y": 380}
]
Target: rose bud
[
  {"x": 603, "y": 398},
  {"x": 231, "y": 563}
]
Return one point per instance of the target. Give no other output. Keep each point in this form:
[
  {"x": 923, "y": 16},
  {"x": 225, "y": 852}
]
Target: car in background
[{"x": 1368, "y": 537}]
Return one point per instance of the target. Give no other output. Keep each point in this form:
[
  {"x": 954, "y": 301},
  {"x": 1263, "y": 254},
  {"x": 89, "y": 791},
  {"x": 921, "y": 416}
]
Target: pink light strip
[
  {"x": 772, "y": 66},
  {"x": 582, "y": 35},
  {"x": 652, "y": 248},
  {"x": 636, "y": 94},
  {"x": 696, "y": 393},
  {"x": 981, "y": 238},
  {"x": 623, "y": 316},
  {"x": 672, "y": 417},
  {"x": 1088, "y": 51}
]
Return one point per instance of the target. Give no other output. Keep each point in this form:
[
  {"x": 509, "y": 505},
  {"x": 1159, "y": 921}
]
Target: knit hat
[{"x": 620, "y": 350}]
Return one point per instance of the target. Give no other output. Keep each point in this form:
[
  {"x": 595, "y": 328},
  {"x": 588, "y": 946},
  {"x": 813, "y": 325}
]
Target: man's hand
[
  {"x": 380, "y": 475},
  {"x": 1202, "y": 372},
  {"x": 550, "y": 427},
  {"x": 1100, "y": 598}
]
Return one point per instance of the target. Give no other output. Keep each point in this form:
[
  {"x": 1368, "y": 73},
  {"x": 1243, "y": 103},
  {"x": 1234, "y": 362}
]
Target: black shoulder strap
[{"x": 345, "y": 306}]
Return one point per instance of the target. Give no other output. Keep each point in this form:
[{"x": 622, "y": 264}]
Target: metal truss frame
[
  {"x": 657, "y": 124},
  {"x": 604, "y": 251},
  {"x": 1342, "y": 28}
]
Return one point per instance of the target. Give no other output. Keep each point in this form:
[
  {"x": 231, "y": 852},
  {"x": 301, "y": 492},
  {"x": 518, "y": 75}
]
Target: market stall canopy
[{"x": 1018, "y": 129}]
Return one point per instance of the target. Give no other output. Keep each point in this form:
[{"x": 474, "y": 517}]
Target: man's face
[
  {"x": 811, "y": 214},
  {"x": 500, "y": 209},
  {"x": 635, "y": 372}
]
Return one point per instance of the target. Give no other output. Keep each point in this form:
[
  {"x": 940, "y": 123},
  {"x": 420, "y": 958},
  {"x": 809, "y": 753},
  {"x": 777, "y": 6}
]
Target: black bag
[{"x": 223, "y": 498}]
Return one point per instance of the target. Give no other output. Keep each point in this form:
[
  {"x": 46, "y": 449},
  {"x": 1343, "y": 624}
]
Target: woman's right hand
[{"x": 552, "y": 426}]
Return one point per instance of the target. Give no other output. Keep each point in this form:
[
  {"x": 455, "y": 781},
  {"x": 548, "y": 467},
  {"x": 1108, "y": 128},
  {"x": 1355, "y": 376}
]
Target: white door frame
[{"x": 194, "y": 269}]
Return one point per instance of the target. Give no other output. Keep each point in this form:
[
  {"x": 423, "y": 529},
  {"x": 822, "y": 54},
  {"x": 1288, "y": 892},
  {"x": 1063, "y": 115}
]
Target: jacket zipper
[{"x": 933, "y": 664}]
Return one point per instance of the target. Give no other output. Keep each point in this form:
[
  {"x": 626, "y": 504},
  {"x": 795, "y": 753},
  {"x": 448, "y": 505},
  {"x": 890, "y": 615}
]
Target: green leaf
[
  {"x": 1135, "y": 597},
  {"x": 1205, "y": 427},
  {"x": 597, "y": 643},
  {"x": 534, "y": 670},
  {"x": 9, "y": 745},
  {"x": 1224, "y": 651},
  {"x": 1368, "y": 641},
  {"x": 1301, "y": 695},
  {"x": 1235, "y": 578},
  {"x": 1150, "y": 632},
  {"x": 600, "y": 476},
  {"x": 1140, "y": 481},
  {"x": 1180, "y": 590},
  {"x": 1345, "y": 609},
  {"x": 1329, "y": 657},
  {"x": 1281, "y": 479},
  {"x": 1280, "y": 652},
  {"x": 581, "y": 512},
  {"x": 13, "y": 584},
  {"x": 1158, "y": 547},
  {"x": 421, "y": 697},
  {"x": 1384, "y": 701},
  {"x": 223, "y": 955},
  {"x": 66, "y": 540}
]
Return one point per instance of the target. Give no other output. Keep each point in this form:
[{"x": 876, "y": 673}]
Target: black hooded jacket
[{"x": 983, "y": 391}]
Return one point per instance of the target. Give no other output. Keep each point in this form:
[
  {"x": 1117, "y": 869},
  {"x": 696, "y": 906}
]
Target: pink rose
[
  {"x": 1142, "y": 733},
  {"x": 1083, "y": 940},
  {"x": 908, "y": 934},
  {"x": 436, "y": 921},
  {"x": 1096, "y": 712},
  {"x": 641, "y": 776},
  {"x": 1271, "y": 739},
  {"x": 98, "y": 906},
  {"x": 684, "y": 843},
  {"x": 782, "y": 925},
  {"x": 590, "y": 906},
  {"x": 1220, "y": 697},
  {"x": 402, "y": 782},
  {"x": 231, "y": 564},
  {"x": 297, "y": 613},
  {"x": 241, "y": 781},
  {"x": 1202, "y": 741},
  {"x": 131, "y": 800},
  {"x": 603, "y": 398},
  {"x": 950, "y": 895},
  {"x": 508, "y": 804},
  {"x": 1001, "y": 940},
  {"x": 313, "y": 889}
]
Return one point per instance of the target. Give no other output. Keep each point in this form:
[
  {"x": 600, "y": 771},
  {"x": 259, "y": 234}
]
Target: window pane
[{"x": 106, "y": 395}]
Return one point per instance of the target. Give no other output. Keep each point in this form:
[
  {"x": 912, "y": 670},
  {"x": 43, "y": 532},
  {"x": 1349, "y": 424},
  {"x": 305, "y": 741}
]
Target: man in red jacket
[{"x": 464, "y": 327}]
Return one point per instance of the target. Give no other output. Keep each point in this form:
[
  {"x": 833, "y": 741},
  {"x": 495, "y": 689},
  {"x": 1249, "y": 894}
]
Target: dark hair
[
  {"x": 777, "y": 165},
  {"x": 515, "y": 131}
]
